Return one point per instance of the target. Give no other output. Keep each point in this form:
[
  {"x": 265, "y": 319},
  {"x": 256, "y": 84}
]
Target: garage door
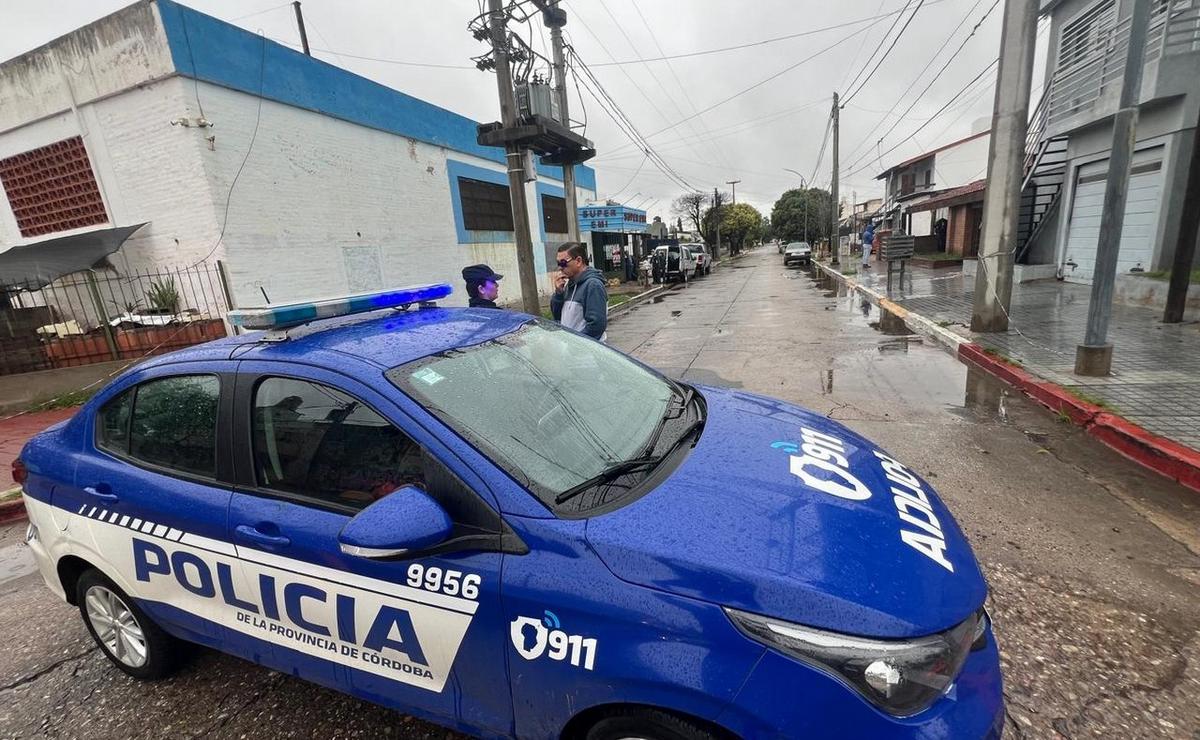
[{"x": 1141, "y": 216}]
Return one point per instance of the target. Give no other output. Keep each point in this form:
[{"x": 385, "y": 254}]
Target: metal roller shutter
[{"x": 1141, "y": 217}]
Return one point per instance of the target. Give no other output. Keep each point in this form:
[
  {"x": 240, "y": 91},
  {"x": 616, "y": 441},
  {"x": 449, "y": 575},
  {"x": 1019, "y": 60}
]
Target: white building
[
  {"x": 929, "y": 174},
  {"x": 1070, "y": 137},
  {"x": 302, "y": 178}
]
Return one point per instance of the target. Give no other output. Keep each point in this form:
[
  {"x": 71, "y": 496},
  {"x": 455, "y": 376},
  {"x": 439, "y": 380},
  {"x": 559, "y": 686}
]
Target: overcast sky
[{"x": 753, "y": 137}]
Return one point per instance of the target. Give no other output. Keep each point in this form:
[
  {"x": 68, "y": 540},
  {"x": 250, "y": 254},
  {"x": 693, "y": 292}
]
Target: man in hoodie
[{"x": 580, "y": 300}]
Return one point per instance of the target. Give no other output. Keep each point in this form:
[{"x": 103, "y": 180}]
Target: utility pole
[
  {"x": 1094, "y": 356},
  {"x": 513, "y": 156},
  {"x": 853, "y": 217},
  {"x": 1185, "y": 244},
  {"x": 555, "y": 18},
  {"x": 300, "y": 25},
  {"x": 833, "y": 235},
  {"x": 717, "y": 219},
  {"x": 1006, "y": 167},
  {"x": 733, "y": 184}
]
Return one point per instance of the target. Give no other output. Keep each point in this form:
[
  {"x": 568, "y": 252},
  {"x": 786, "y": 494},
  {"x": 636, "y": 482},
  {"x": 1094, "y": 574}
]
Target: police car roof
[{"x": 385, "y": 338}]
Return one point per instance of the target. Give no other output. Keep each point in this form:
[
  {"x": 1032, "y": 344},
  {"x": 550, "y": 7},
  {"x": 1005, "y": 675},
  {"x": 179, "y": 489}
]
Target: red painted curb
[
  {"x": 1052, "y": 396},
  {"x": 13, "y": 511},
  {"x": 1163, "y": 456}
]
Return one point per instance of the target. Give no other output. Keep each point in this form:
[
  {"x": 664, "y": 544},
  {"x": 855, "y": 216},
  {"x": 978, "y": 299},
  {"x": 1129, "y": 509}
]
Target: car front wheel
[
  {"x": 127, "y": 636},
  {"x": 648, "y": 724}
]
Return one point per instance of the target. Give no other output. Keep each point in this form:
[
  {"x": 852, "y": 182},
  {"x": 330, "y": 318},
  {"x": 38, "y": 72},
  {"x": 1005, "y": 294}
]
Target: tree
[
  {"x": 739, "y": 222},
  {"x": 709, "y": 224},
  {"x": 803, "y": 214},
  {"x": 691, "y": 207}
]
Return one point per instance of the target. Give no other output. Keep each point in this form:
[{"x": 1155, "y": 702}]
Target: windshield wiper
[
  {"x": 688, "y": 394},
  {"x": 610, "y": 473}
]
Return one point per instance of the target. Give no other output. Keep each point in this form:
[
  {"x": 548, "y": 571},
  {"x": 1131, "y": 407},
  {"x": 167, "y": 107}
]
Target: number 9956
[{"x": 449, "y": 582}]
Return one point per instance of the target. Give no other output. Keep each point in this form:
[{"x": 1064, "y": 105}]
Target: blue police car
[{"x": 486, "y": 520}]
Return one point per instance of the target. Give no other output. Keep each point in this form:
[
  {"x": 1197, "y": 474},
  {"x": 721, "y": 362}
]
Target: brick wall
[{"x": 962, "y": 229}]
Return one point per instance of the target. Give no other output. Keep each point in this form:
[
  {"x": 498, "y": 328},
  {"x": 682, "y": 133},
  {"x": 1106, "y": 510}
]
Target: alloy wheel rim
[{"x": 116, "y": 627}]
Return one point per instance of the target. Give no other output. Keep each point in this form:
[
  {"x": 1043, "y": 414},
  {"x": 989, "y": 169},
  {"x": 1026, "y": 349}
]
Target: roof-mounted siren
[{"x": 275, "y": 319}]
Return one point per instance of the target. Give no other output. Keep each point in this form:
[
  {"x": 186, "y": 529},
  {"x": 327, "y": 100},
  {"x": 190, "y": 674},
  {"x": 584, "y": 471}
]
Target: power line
[
  {"x": 895, "y": 41},
  {"x": 619, "y": 117},
  {"x": 721, "y": 153},
  {"x": 936, "y": 54},
  {"x": 763, "y": 42},
  {"x": 929, "y": 120},
  {"x": 936, "y": 77},
  {"x": 726, "y": 130},
  {"x": 871, "y": 56},
  {"x": 633, "y": 46},
  {"x": 764, "y": 81}
]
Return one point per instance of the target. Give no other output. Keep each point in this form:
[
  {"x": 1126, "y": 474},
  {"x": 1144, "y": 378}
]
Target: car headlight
[{"x": 902, "y": 677}]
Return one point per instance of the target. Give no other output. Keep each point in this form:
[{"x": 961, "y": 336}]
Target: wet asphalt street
[{"x": 1093, "y": 564}]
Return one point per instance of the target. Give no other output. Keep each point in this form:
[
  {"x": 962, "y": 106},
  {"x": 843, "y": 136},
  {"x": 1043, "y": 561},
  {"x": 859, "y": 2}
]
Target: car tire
[
  {"x": 137, "y": 645},
  {"x": 650, "y": 724}
]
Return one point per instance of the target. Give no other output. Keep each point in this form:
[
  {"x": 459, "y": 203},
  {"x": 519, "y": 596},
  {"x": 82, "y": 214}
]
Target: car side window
[
  {"x": 313, "y": 440},
  {"x": 173, "y": 423},
  {"x": 112, "y": 431}
]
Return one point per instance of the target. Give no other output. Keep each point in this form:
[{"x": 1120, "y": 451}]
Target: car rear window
[{"x": 173, "y": 423}]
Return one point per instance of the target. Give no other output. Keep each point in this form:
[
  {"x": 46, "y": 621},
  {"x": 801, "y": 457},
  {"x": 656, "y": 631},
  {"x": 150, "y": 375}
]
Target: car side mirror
[{"x": 405, "y": 520}]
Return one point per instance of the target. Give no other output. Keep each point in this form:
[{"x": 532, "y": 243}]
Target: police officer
[{"x": 483, "y": 285}]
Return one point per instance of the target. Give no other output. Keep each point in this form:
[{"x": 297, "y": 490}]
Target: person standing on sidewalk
[
  {"x": 580, "y": 300},
  {"x": 868, "y": 239}
]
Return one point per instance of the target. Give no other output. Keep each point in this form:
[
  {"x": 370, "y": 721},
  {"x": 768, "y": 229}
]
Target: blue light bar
[{"x": 291, "y": 314}]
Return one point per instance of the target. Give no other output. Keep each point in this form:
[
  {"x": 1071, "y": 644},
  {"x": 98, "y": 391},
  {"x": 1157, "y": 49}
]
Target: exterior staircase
[{"x": 1045, "y": 174}]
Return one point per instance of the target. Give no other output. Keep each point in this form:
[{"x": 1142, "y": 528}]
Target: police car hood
[{"x": 763, "y": 516}]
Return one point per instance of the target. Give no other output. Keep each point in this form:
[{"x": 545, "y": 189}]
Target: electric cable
[{"x": 895, "y": 41}]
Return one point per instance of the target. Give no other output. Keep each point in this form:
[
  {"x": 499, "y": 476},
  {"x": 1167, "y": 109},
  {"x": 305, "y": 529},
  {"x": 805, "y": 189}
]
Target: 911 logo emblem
[{"x": 532, "y": 637}]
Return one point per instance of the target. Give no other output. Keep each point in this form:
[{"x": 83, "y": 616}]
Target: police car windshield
[{"x": 552, "y": 408}]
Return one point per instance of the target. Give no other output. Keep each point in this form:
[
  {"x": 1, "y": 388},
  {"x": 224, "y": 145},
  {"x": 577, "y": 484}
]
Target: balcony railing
[{"x": 1078, "y": 88}]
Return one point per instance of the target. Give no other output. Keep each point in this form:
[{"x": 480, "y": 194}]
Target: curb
[
  {"x": 13, "y": 511},
  {"x": 644, "y": 296},
  {"x": 638, "y": 299},
  {"x": 1163, "y": 456},
  {"x": 916, "y": 323}
]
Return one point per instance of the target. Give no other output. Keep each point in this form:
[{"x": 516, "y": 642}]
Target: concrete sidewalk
[{"x": 1156, "y": 367}]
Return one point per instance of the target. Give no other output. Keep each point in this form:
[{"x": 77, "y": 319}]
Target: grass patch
[
  {"x": 850, "y": 271},
  {"x": 1063, "y": 417},
  {"x": 944, "y": 324},
  {"x": 1089, "y": 398},
  {"x": 1002, "y": 357},
  {"x": 10, "y": 494},
  {"x": 67, "y": 400},
  {"x": 1165, "y": 275},
  {"x": 616, "y": 300},
  {"x": 936, "y": 256}
]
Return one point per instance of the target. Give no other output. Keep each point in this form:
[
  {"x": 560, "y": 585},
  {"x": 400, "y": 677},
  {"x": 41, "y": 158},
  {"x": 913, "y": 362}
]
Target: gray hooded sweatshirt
[{"x": 590, "y": 315}]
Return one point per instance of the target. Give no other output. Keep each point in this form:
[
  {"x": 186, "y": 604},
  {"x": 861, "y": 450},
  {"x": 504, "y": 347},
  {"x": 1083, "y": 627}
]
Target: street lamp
[{"x": 803, "y": 182}]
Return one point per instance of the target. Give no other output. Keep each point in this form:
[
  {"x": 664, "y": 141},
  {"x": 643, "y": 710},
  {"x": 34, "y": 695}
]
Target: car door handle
[
  {"x": 100, "y": 491},
  {"x": 247, "y": 533}
]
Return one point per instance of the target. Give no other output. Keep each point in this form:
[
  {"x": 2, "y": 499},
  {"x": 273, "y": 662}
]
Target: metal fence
[{"x": 98, "y": 316}]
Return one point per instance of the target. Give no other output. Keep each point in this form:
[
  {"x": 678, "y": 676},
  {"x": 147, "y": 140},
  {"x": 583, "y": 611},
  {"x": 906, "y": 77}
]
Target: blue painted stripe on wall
[
  {"x": 456, "y": 169},
  {"x": 211, "y": 50}
]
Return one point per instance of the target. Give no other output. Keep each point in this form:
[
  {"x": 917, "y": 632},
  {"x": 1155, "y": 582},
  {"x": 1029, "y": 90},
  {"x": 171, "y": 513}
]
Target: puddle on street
[{"x": 676, "y": 313}]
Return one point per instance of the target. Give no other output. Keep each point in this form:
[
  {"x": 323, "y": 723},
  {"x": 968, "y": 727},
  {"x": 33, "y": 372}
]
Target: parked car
[
  {"x": 494, "y": 523},
  {"x": 797, "y": 252},
  {"x": 673, "y": 263},
  {"x": 703, "y": 258}
]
